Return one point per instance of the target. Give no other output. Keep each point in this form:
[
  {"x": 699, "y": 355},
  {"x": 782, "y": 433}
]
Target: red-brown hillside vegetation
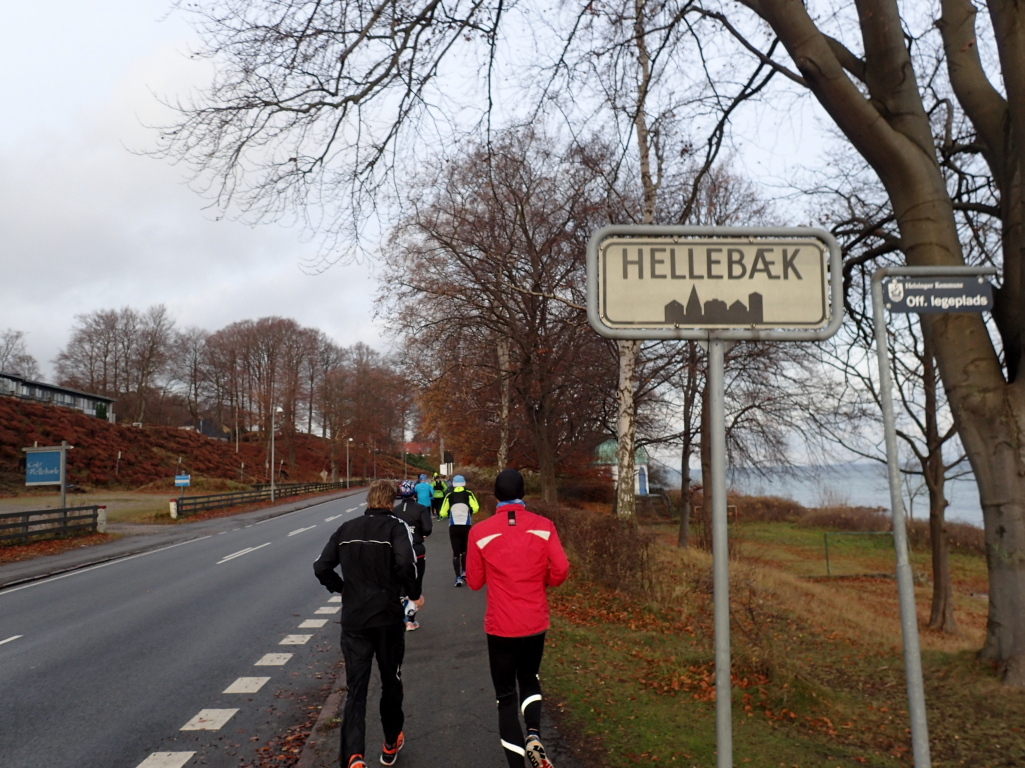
[{"x": 148, "y": 454}]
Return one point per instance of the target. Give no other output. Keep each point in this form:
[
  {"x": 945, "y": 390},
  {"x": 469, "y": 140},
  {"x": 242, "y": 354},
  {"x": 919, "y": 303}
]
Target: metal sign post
[
  {"x": 919, "y": 290},
  {"x": 718, "y": 285}
]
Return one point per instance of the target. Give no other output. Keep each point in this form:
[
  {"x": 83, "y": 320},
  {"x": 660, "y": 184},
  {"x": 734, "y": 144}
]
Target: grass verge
[{"x": 817, "y": 664}]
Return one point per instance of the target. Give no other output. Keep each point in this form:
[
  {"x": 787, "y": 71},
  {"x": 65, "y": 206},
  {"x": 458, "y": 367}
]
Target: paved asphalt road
[{"x": 199, "y": 644}]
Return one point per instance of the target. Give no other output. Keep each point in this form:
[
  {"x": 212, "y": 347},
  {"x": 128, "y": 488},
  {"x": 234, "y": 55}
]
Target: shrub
[
  {"x": 847, "y": 518},
  {"x": 614, "y": 553},
  {"x": 588, "y": 490}
]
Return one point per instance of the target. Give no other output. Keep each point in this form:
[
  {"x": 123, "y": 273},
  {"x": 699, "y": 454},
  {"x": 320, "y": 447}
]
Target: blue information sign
[
  {"x": 182, "y": 481},
  {"x": 43, "y": 467}
]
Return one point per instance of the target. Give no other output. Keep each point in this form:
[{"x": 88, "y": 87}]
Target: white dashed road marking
[
  {"x": 313, "y": 624},
  {"x": 295, "y": 640},
  {"x": 247, "y": 685},
  {"x": 273, "y": 660},
  {"x": 302, "y": 530},
  {"x": 209, "y": 720},
  {"x": 333, "y": 517},
  {"x": 335, "y": 599},
  {"x": 241, "y": 552},
  {"x": 327, "y": 611},
  {"x": 166, "y": 760},
  {"x": 13, "y": 637}
]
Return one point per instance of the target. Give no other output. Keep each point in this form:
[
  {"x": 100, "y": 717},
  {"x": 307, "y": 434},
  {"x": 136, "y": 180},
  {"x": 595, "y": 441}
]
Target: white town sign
[{"x": 665, "y": 283}]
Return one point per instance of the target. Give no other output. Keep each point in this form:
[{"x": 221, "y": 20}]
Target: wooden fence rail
[
  {"x": 22, "y": 527},
  {"x": 187, "y": 505}
]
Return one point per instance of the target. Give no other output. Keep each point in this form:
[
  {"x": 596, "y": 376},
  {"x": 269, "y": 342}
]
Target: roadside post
[
  {"x": 48, "y": 466},
  {"x": 916, "y": 290},
  {"x": 716, "y": 285}
]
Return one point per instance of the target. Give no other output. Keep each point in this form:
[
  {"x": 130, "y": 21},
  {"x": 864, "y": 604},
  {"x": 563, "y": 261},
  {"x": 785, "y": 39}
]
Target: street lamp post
[
  {"x": 273, "y": 413},
  {"x": 347, "y": 462}
]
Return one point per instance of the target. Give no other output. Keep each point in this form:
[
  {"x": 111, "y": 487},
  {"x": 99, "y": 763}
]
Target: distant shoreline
[{"x": 861, "y": 484}]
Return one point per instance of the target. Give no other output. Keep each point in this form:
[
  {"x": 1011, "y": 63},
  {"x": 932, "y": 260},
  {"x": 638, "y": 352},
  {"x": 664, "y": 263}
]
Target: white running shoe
[{"x": 536, "y": 753}]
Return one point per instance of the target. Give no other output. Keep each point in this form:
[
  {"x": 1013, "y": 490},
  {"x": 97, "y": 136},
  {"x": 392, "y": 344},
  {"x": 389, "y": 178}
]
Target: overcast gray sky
[{"x": 86, "y": 225}]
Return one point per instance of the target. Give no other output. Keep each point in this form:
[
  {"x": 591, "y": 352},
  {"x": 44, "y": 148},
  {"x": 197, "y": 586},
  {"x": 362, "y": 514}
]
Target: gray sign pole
[
  {"x": 827, "y": 293},
  {"x": 720, "y": 554},
  {"x": 64, "y": 473},
  {"x": 905, "y": 582}
]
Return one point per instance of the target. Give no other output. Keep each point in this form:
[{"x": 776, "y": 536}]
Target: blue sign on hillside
[
  {"x": 43, "y": 467},
  {"x": 182, "y": 481}
]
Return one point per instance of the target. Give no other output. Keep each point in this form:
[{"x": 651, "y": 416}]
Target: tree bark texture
[
  {"x": 941, "y": 616},
  {"x": 891, "y": 130},
  {"x": 505, "y": 400},
  {"x": 625, "y": 428}
]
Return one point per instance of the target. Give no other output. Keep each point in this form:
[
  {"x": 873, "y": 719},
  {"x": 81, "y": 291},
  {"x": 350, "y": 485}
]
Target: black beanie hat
[{"x": 509, "y": 485}]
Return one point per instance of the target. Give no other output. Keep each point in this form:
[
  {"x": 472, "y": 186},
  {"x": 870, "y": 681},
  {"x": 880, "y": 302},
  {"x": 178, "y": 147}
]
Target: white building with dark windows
[{"x": 13, "y": 385}]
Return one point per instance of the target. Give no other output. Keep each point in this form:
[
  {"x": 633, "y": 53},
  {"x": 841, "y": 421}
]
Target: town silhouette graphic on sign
[{"x": 714, "y": 311}]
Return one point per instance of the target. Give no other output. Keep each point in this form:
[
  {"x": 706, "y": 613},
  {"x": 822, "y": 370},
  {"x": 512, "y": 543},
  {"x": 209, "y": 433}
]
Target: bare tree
[
  {"x": 14, "y": 356},
  {"x": 496, "y": 254}
]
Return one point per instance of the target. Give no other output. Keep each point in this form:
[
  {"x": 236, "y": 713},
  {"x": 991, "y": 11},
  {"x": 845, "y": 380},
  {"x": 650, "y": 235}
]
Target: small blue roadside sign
[
  {"x": 927, "y": 294},
  {"x": 43, "y": 467},
  {"x": 182, "y": 481}
]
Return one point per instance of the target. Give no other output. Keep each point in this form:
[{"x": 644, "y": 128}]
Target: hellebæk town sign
[{"x": 713, "y": 282}]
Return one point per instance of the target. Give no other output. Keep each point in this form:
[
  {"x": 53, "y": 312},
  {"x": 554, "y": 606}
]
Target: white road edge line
[
  {"x": 10, "y": 639},
  {"x": 209, "y": 720},
  {"x": 97, "y": 566},
  {"x": 241, "y": 552},
  {"x": 246, "y": 685},
  {"x": 166, "y": 760},
  {"x": 273, "y": 660}
]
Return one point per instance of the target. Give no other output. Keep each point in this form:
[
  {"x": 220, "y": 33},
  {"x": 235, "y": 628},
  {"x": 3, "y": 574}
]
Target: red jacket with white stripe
[{"x": 516, "y": 562}]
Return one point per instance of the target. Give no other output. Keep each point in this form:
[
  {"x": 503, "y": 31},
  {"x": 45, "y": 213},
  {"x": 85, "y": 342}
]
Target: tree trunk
[
  {"x": 942, "y": 615},
  {"x": 625, "y": 425},
  {"x": 705, "y": 518},
  {"x": 691, "y": 390},
  {"x": 934, "y": 470},
  {"x": 546, "y": 463},
  {"x": 683, "y": 533},
  {"x": 992, "y": 441},
  {"x": 504, "y": 404},
  {"x": 892, "y": 131}
]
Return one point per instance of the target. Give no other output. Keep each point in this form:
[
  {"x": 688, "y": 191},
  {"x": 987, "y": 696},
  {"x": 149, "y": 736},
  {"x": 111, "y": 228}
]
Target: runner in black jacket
[{"x": 375, "y": 552}]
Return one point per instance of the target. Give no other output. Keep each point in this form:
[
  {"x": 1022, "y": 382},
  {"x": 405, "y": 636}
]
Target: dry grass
[{"x": 816, "y": 662}]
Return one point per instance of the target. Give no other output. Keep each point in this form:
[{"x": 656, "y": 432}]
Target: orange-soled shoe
[{"x": 390, "y": 752}]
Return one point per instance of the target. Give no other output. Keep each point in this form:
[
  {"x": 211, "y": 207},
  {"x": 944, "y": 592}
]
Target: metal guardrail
[
  {"x": 43, "y": 523},
  {"x": 186, "y": 505}
]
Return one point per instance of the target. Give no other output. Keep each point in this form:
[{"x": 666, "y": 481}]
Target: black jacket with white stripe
[{"x": 375, "y": 553}]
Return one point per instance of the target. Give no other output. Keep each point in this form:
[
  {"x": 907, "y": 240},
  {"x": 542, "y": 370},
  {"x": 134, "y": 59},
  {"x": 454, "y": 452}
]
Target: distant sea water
[{"x": 858, "y": 484}]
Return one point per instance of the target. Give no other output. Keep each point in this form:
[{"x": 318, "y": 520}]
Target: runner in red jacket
[{"x": 517, "y": 554}]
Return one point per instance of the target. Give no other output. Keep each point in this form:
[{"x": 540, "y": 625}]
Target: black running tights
[
  {"x": 515, "y": 662},
  {"x": 458, "y": 536}
]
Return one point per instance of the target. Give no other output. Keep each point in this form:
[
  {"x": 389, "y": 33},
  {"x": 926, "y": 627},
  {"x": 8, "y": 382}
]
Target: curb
[{"x": 316, "y": 752}]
